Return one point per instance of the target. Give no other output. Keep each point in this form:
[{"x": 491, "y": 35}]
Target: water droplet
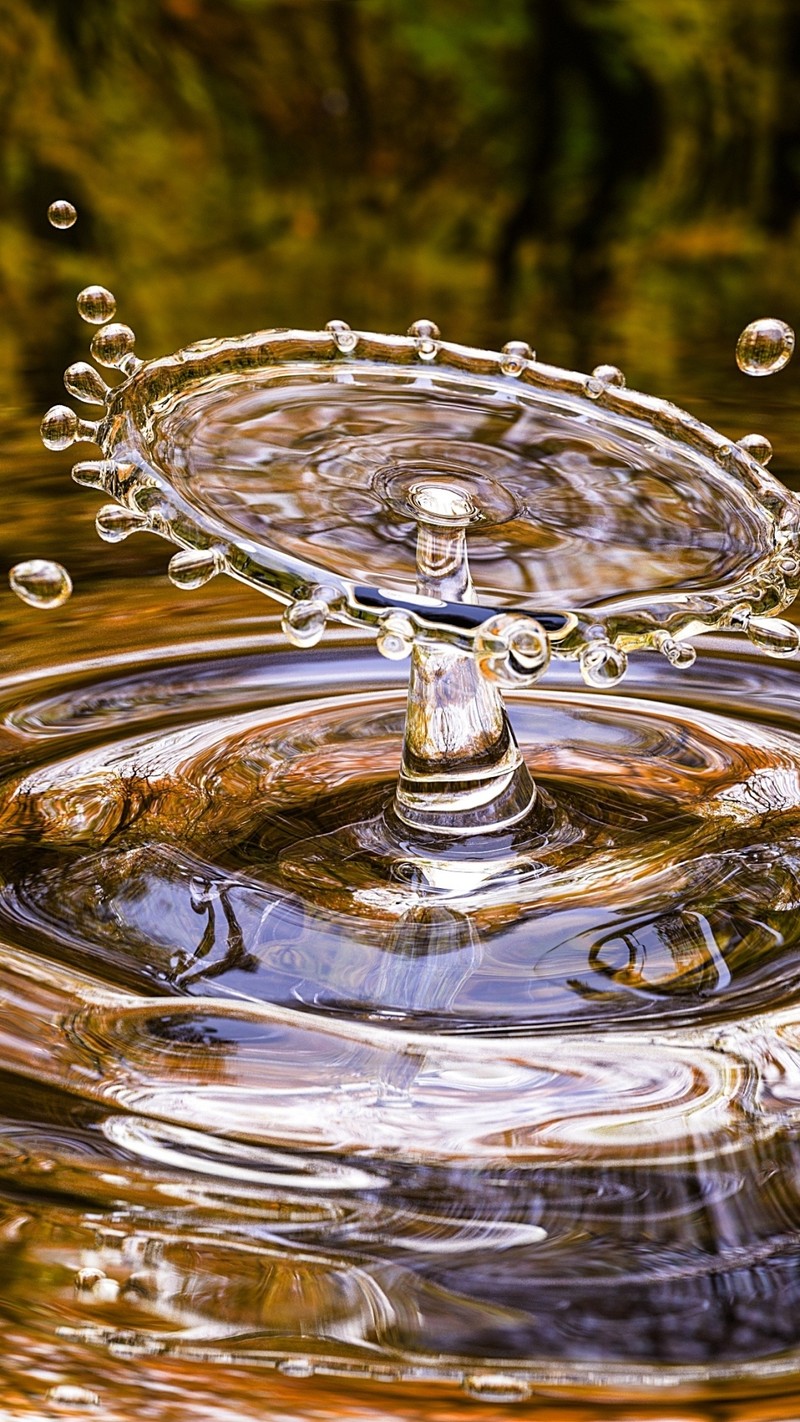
[
  {"x": 764, "y": 347},
  {"x": 113, "y": 345},
  {"x": 603, "y": 665},
  {"x": 70, "y": 1395},
  {"x": 515, "y": 356},
  {"x": 773, "y": 636},
  {"x": 59, "y": 428},
  {"x": 96, "y": 305},
  {"x": 192, "y": 567},
  {"x": 40, "y": 583},
  {"x": 83, "y": 381},
  {"x": 87, "y": 1279},
  {"x": 512, "y": 650},
  {"x": 106, "y": 1290},
  {"x": 758, "y": 447},
  {"x": 496, "y": 1387},
  {"x": 426, "y": 336},
  {"x": 396, "y": 636},
  {"x": 62, "y": 214},
  {"x": 304, "y": 621},
  {"x": 296, "y": 1368},
  {"x": 346, "y": 340},
  {"x": 604, "y": 377},
  {"x": 114, "y": 522},
  {"x": 679, "y": 654}
]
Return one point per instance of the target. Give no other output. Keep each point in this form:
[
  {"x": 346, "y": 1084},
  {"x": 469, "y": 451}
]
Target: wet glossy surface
[{"x": 538, "y": 1166}]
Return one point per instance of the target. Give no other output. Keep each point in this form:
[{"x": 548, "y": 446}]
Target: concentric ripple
[{"x": 532, "y": 1134}]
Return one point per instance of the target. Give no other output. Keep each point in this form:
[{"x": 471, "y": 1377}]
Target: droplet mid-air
[
  {"x": 62, "y": 214},
  {"x": 96, "y": 305},
  {"x": 40, "y": 583},
  {"x": 764, "y": 347}
]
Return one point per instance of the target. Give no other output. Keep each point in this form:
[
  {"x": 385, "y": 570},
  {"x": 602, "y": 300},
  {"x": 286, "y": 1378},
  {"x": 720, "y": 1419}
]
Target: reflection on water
[{"x": 554, "y": 1147}]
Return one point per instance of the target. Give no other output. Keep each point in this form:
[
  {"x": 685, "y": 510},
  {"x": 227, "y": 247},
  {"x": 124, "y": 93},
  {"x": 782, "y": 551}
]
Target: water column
[{"x": 462, "y": 772}]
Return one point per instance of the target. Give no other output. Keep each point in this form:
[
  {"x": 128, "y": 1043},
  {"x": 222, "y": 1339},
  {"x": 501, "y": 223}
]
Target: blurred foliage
[{"x": 610, "y": 179}]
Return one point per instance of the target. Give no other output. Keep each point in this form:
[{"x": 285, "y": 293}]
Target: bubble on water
[
  {"x": 62, "y": 214},
  {"x": 396, "y": 636},
  {"x": 59, "y": 428},
  {"x": 515, "y": 357},
  {"x": 70, "y": 1395},
  {"x": 83, "y": 381},
  {"x": 764, "y": 347},
  {"x": 774, "y": 636},
  {"x": 426, "y": 336},
  {"x": 96, "y": 305},
  {"x": 346, "y": 339},
  {"x": 603, "y": 665},
  {"x": 304, "y": 622},
  {"x": 113, "y": 345},
  {"x": 114, "y": 522},
  {"x": 40, "y": 583},
  {"x": 192, "y": 567}
]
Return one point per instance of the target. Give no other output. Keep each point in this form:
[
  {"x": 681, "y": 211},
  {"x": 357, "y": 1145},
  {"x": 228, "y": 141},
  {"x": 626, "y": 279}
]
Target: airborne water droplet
[
  {"x": 62, "y": 214},
  {"x": 764, "y": 347},
  {"x": 96, "y": 305},
  {"x": 40, "y": 583}
]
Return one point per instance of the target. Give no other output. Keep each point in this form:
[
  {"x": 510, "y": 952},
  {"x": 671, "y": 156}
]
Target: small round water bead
[
  {"x": 59, "y": 427},
  {"x": 192, "y": 567},
  {"x": 304, "y": 621},
  {"x": 62, "y": 214},
  {"x": 346, "y": 339},
  {"x": 40, "y": 583},
  {"x": 764, "y": 347},
  {"x": 96, "y": 305},
  {"x": 758, "y": 447},
  {"x": 515, "y": 357},
  {"x": 602, "y": 665},
  {"x": 113, "y": 345},
  {"x": 604, "y": 377},
  {"x": 426, "y": 335},
  {"x": 114, "y": 522},
  {"x": 396, "y": 636},
  {"x": 86, "y": 383},
  {"x": 679, "y": 654},
  {"x": 512, "y": 650}
]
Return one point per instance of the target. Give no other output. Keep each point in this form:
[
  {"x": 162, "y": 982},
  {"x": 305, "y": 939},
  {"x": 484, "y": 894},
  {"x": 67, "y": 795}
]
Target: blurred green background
[{"x": 609, "y": 179}]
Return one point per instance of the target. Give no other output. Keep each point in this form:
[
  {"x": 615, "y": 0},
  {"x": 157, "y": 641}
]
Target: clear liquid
[{"x": 546, "y": 1145}]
